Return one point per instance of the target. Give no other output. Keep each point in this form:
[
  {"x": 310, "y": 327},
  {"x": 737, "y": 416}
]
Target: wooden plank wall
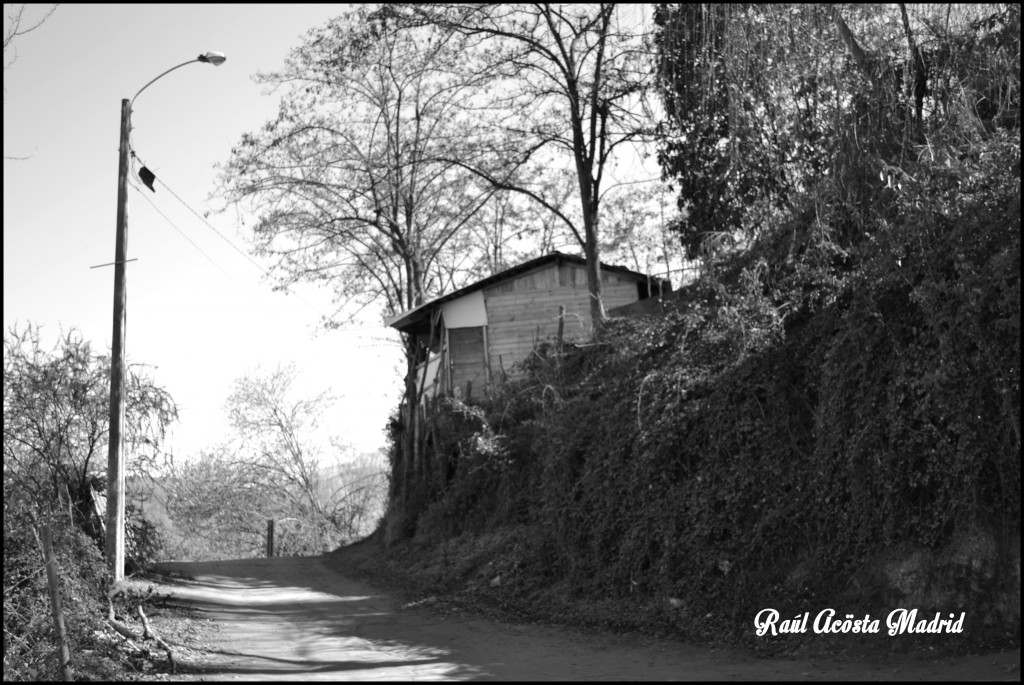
[{"x": 524, "y": 309}]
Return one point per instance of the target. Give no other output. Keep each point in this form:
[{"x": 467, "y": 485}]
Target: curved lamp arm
[{"x": 214, "y": 58}]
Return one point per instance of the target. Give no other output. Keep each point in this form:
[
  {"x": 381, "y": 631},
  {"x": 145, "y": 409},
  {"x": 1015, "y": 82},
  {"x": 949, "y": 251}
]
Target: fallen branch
[
  {"x": 124, "y": 631},
  {"x": 147, "y": 633},
  {"x": 147, "y": 630}
]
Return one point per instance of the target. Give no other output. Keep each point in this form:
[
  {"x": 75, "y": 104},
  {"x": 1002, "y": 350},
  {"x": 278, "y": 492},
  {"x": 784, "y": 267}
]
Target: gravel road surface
[{"x": 297, "y": 618}]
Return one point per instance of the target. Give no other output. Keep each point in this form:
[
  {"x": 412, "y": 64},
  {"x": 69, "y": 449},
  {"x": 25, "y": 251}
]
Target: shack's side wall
[{"x": 524, "y": 309}]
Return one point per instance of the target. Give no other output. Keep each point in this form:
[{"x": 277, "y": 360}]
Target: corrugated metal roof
[{"x": 406, "y": 319}]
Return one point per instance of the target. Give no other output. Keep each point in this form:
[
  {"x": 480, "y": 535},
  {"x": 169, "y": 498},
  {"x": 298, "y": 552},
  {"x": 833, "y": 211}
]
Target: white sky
[{"x": 201, "y": 316}]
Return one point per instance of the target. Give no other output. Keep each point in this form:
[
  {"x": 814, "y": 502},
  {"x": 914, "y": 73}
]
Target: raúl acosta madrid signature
[{"x": 898, "y": 622}]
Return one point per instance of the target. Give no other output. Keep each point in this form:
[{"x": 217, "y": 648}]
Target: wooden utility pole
[{"x": 115, "y": 444}]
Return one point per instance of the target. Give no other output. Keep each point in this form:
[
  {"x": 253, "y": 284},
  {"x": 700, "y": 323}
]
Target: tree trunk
[
  {"x": 597, "y": 311},
  {"x": 592, "y": 251},
  {"x": 404, "y": 447},
  {"x": 589, "y": 202}
]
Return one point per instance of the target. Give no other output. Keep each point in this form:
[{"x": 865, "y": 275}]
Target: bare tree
[
  {"x": 512, "y": 228},
  {"x": 56, "y": 406},
  {"x": 217, "y": 509},
  {"x": 567, "y": 79},
  {"x": 275, "y": 432},
  {"x": 354, "y": 183},
  {"x": 275, "y": 468},
  {"x": 357, "y": 492},
  {"x": 16, "y": 26},
  {"x": 345, "y": 180}
]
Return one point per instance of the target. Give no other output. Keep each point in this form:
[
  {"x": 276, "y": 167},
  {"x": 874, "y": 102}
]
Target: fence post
[
  {"x": 561, "y": 324},
  {"x": 270, "y": 537},
  {"x": 58, "y": 612}
]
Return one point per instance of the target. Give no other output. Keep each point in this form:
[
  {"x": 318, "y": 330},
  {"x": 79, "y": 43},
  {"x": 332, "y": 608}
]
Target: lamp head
[{"x": 214, "y": 58}]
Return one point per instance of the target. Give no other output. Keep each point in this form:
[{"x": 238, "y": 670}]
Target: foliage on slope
[
  {"x": 55, "y": 437},
  {"x": 797, "y": 435}
]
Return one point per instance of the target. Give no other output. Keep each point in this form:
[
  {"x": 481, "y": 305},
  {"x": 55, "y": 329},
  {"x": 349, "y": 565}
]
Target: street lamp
[{"x": 115, "y": 449}]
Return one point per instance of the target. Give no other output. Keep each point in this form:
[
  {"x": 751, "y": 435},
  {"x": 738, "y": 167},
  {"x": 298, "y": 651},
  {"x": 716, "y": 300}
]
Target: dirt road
[{"x": 302, "y": 619}]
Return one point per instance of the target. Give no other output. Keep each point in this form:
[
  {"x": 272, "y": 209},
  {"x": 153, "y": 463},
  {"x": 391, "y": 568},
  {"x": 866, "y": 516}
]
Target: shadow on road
[
  {"x": 284, "y": 617},
  {"x": 295, "y": 618}
]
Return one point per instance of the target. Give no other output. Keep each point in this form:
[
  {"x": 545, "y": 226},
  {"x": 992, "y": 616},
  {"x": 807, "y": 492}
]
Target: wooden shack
[{"x": 480, "y": 332}]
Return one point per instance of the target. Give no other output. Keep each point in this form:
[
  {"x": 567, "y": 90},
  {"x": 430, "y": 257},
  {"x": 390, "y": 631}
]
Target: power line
[
  {"x": 266, "y": 273},
  {"x": 193, "y": 243},
  {"x": 208, "y": 224},
  {"x": 211, "y": 227},
  {"x": 352, "y": 329}
]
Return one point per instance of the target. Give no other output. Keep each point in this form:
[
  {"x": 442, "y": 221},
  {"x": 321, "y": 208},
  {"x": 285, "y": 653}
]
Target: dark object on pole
[{"x": 147, "y": 177}]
